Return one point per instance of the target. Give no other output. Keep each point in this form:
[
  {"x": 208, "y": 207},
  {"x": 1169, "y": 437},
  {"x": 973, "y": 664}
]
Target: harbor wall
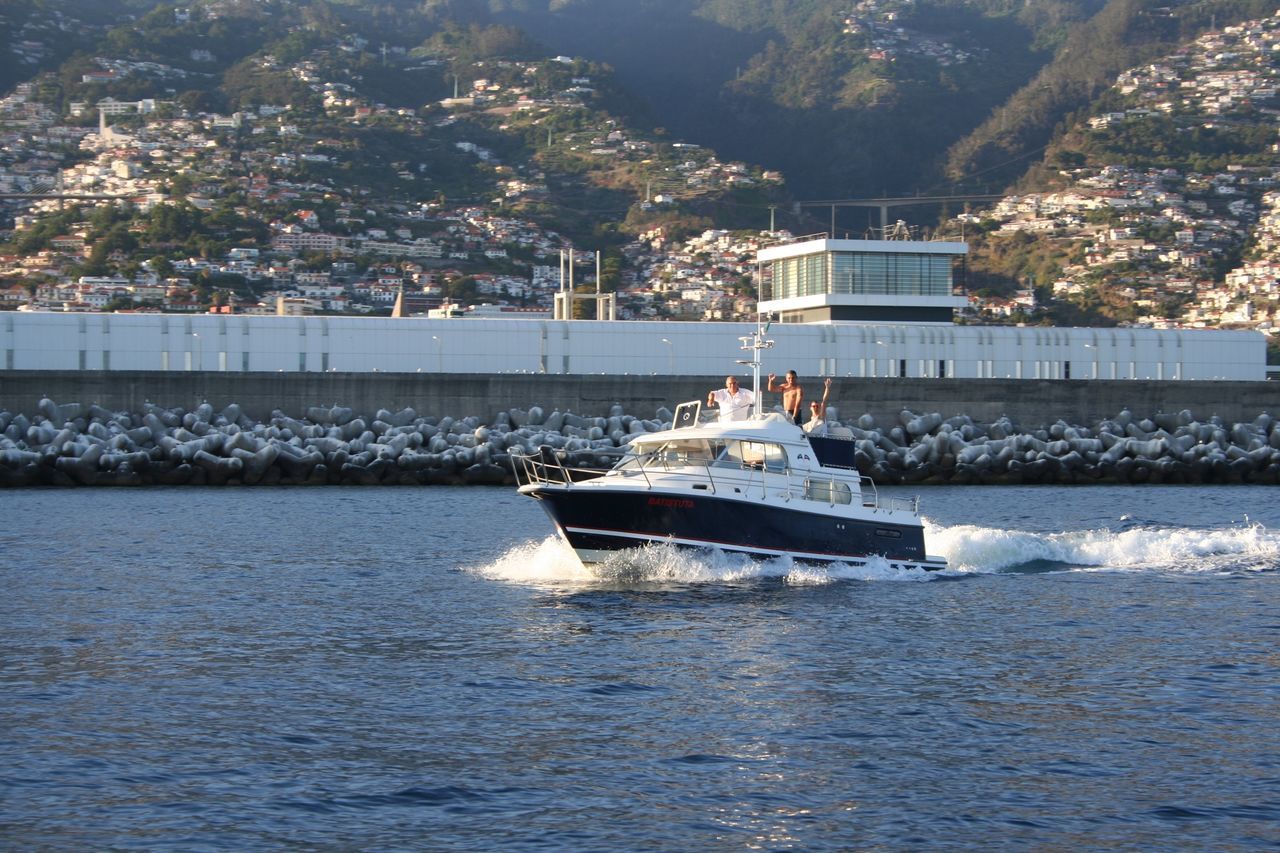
[{"x": 1030, "y": 403}]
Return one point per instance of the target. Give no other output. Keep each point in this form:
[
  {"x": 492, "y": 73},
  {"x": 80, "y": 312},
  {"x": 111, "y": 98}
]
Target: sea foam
[
  {"x": 1247, "y": 547},
  {"x": 968, "y": 549},
  {"x": 552, "y": 562}
]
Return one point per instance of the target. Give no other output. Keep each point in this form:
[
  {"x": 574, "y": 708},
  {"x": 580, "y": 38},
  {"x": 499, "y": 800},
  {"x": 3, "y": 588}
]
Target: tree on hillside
[
  {"x": 173, "y": 223},
  {"x": 201, "y": 101},
  {"x": 462, "y": 290},
  {"x": 162, "y": 266}
]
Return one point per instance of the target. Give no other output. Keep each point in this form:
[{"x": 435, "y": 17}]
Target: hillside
[
  {"x": 372, "y": 153},
  {"x": 1124, "y": 34},
  {"x": 1160, "y": 206},
  {"x": 846, "y": 101},
  {"x": 462, "y": 132},
  {"x": 880, "y": 96},
  {"x": 368, "y": 90}
]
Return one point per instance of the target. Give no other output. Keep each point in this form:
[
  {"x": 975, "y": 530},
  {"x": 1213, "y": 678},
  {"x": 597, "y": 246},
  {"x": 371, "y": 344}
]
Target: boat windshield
[
  {"x": 752, "y": 454},
  {"x": 679, "y": 453},
  {"x": 700, "y": 452}
]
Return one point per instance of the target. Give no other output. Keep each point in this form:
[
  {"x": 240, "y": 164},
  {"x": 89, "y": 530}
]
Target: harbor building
[
  {"x": 863, "y": 281},
  {"x": 863, "y": 309},
  {"x": 257, "y": 344}
]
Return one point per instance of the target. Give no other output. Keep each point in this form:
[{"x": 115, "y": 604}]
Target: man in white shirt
[{"x": 734, "y": 402}]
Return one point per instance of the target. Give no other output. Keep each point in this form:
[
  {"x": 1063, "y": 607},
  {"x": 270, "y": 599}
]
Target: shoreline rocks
[{"x": 76, "y": 445}]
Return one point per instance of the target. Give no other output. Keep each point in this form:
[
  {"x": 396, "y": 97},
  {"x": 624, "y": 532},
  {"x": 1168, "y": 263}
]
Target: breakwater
[
  {"x": 74, "y": 444},
  {"x": 1031, "y": 403},
  {"x": 260, "y": 394}
]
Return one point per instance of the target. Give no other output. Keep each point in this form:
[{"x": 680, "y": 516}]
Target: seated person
[{"x": 817, "y": 423}]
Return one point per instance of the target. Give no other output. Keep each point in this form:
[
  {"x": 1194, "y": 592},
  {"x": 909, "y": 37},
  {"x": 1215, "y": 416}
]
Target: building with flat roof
[
  {"x": 863, "y": 281},
  {"x": 238, "y": 343},
  {"x": 868, "y": 309}
]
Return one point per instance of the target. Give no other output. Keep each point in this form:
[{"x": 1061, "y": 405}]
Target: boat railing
[
  {"x": 680, "y": 467},
  {"x": 546, "y": 467},
  {"x": 872, "y": 499},
  {"x": 747, "y": 475}
]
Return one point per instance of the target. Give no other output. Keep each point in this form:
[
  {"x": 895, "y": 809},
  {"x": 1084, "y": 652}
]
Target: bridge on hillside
[{"x": 887, "y": 203}]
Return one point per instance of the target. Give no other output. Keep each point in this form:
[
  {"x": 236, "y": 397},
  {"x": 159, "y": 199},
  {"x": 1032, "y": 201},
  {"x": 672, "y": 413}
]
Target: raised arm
[{"x": 826, "y": 392}]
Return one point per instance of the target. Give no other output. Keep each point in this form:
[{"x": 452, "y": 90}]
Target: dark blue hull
[{"x": 600, "y": 521}]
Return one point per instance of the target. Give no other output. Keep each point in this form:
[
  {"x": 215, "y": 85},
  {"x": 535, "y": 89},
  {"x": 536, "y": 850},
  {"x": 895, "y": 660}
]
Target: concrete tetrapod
[{"x": 76, "y": 444}]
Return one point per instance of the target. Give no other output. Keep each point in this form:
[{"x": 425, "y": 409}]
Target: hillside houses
[
  {"x": 1165, "y": 233},
  {"x": 329, "y": 248},
  {"x": 1151, "y": 225},
  {"x": 291, "y": 223}
]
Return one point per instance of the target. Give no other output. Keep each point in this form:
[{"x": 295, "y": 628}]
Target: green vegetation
[
  {"x": 1000, "y": 264},
  {"x": 1123, "y": 34},
  {"x": 1158, "y": 142},
  {"x": 972, "y": 92}
]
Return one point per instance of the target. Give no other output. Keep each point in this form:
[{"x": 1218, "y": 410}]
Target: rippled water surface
[{"x": 427, "y": 668}]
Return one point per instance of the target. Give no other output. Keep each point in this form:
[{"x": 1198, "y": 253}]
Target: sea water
[{"x": 430, "y": 668}]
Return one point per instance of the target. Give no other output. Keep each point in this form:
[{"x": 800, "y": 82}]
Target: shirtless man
[{"x": 792, "y": 394}]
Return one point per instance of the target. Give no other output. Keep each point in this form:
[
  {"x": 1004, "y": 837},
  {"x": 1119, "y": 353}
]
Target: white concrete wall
[{"x": 47, "y": 341}]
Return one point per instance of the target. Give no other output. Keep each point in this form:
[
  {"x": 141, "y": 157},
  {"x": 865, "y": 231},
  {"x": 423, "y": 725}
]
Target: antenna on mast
[{"x": 754, "y": 343}]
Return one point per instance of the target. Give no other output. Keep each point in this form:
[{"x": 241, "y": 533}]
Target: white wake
[
  {"x": 968, "y": 549},
  {"x": 552, "y": 562},
  {"x": 1249, "y": 547}
]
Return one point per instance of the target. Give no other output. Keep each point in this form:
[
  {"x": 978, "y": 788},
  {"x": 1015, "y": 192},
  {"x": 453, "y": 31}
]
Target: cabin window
[
  {"x": 752, "y": 454},
  {"x": 684, "y": 452},
  {"x": 828, "y": 491}
]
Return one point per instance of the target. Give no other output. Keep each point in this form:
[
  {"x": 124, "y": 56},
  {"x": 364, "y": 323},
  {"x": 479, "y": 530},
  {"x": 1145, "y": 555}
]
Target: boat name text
[{"x": 672, "y": 503}]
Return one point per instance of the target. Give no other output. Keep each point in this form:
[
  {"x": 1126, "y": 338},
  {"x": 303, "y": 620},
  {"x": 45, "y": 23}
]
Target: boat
[{"x": 762, "y": 487}]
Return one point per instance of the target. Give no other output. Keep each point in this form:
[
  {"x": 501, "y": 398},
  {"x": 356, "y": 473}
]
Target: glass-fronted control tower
[{"x": 863, "y": 281}]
